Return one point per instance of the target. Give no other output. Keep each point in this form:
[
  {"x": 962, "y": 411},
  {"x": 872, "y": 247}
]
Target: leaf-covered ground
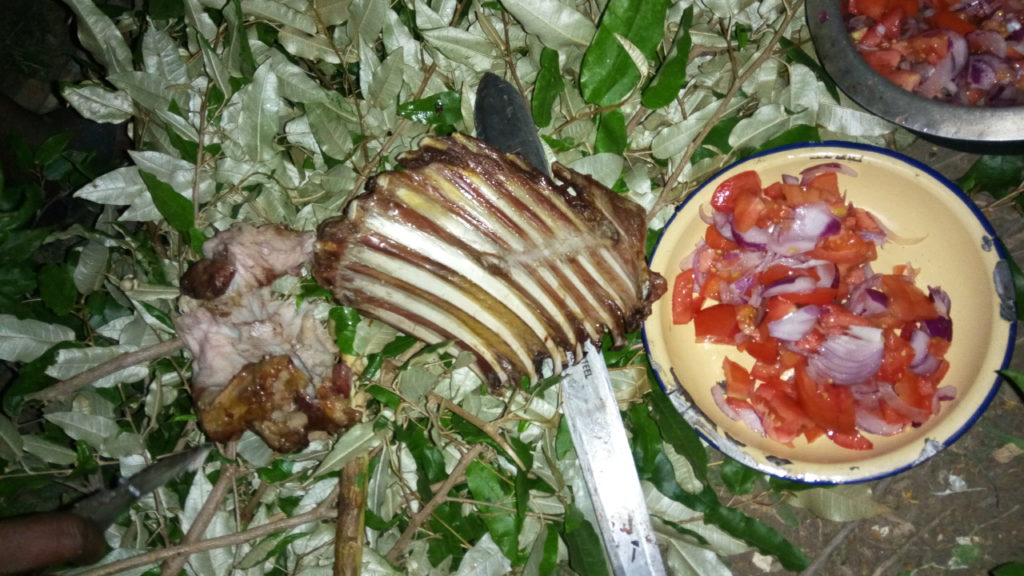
[{"x": 278, "y": 111}]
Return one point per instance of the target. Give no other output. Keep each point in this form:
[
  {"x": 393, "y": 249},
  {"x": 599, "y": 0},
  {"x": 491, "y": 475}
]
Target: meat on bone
[{"x": 463, "y": 245}]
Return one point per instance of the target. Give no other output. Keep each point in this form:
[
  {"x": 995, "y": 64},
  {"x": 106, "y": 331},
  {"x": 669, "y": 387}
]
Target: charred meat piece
[
  {"x": 471, "y": 246},
  {"x": 260, "y": 362}
]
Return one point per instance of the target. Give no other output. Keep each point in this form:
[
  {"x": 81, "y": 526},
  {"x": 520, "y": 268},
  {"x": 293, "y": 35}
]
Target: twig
[
  {"x": 723, "y": 105},
  {"x": 895, "y": 556},
  {"x": 486, "y": 427},
  {"x": 66, "y": 387},
  {"x": 439, "y": 498},
  {"x": 323, "y": 511},
  {"x": 348, "y": 539},
  {"x": 823, "y": 557},
  {"x": 174, "y": 565}
]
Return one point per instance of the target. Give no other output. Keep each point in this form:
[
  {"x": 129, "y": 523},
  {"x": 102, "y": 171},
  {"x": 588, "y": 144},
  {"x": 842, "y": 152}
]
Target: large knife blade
[{"x": 588, "y": 400}]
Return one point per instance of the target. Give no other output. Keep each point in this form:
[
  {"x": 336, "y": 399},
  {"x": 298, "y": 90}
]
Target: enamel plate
[{"x": 935, "y": 228}]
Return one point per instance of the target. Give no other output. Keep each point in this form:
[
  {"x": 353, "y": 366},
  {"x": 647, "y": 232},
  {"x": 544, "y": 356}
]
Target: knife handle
[{"x": 36, "y": 541}]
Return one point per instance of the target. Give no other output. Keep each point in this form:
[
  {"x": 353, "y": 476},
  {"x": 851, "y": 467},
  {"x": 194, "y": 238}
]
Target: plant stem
[
  {"x": 323, "y": 511},
  {"x": 63, "y": 389},
  {"x": 417, "y": 519},
  {"x": 351, "y": 527}
]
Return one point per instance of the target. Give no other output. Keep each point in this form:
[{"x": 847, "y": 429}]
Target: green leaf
[
  {"x": 671, "y": 75},
  {"x": 486, "y": 485},
  {"x": 345, "y": 321},
  {"x": 100, "y": 36},
  {"x": 547, "y": 87},
  {"x": 1015, "y": 377},
  {"x": 20, "y": 205},
  {"x": 607, "y": 74},
  {"x": 611, "y": 133},
  {"x": 794, "y": 53},
  {"x": 758, "y": 534},
  {"x": 357, "y": 440},
  {"x": 91, "y": 429},
  {"x": 739, "y": 479},
  {"x": 175, "y": 208},
  {"x": 559, "y": 26},
  {"x": 57, "y": 288},
  {"x": 997, "y": 174},
  {"x": 796, "y": 134},
  {"x": 52, "y": 148},
  {"x": 278, "y": 471},
  {"x": 676, "y": 432},
  {"x": 1017, "y": 276},
  {"x": 842, "y": 503},
  {"x": 441, "y": 109},
  {"x": 1009, "y": 569},
  {"x": 19, "y": 245},
  {"x": 11, "y": 441},
  {"x": 428, "y": 458},
  {"x": 586, "y": 550},
  {"x": 26, "y": 340}
]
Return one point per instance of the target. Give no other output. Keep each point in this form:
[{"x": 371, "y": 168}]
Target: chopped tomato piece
[
  {"x": 717, "y": 241},
  {"x": 872, "y": 8},
  {"x": 724, "y": 197},
  {"x": 748, "y": 209},
  {"x": 829, "y": 406},
  {"x": 816, "y": 296},
  {"x": 931, "y": 49},
  {"x": 683, "y": 299},
  {"x": 882, "y": 61},
  {"x": 907, "y": 302},
  {"x": 763, "y": 350},
  {"x": 846, "y": 247},
  {"x": 951, "y": 21},
  {"x": 896, "y": 358},
  {"x": 716, "y": 324},
  {"x": 738, "y": 383}
]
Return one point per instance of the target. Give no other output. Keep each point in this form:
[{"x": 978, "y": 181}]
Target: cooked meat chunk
[{"x": 260, "y": 362}]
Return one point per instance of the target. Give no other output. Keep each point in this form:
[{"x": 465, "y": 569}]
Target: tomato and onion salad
[
  {"x": 968, "y": 52},
  {"x": 784, "y": 274}
]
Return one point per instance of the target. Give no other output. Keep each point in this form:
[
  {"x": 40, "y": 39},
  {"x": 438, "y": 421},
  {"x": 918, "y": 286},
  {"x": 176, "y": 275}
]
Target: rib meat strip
[{"x": 471, "y": 246}]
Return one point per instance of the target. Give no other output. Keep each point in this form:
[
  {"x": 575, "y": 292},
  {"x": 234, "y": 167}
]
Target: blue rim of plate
[{"x": 704, "y": 425}]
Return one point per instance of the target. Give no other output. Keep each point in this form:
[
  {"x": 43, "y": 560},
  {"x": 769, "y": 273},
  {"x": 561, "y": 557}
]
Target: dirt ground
[{"x": 961, "y": 512}]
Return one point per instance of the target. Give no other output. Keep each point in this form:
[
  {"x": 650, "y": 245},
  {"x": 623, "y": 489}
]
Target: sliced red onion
[
  {"x": 916, "y": 415},
  {"x": 791, "y": 285},
  {"x": 866, "y": 299},
  {"x": 924, "y": 362},
  {"x": 849, "y": 358},
  {"x": 795, "y": 325},
  {"x": 946, "y": 393},
  {"x": 790, "y": 179},
  {"x": 810, "y": 223},
  {"x": 941, "y": 299},
  {"x": 828, "y": 274},
  {"x": 723, "y": 222},
  {"x": 988, "y": 41},
  {"x": 756, "y": 238},
  {"x": 808, "y": 174},
  {"x": 751, "y": 419},
  {"x": 871, "y": 422},
  {"x": 740, "y": 414},
  {"x": 718, "y": 394}
]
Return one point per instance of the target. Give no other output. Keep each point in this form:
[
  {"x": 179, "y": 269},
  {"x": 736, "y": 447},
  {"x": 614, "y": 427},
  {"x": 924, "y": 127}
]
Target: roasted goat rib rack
[{"x": 463, "y": 245}]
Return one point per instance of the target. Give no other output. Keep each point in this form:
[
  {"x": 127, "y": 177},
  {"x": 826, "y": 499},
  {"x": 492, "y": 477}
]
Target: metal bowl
[
  {"x": 935, "y": 228},
  {"x": 887, "y": 100}
]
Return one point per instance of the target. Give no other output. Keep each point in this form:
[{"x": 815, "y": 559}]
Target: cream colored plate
[{"x": 941, "y": 233}]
